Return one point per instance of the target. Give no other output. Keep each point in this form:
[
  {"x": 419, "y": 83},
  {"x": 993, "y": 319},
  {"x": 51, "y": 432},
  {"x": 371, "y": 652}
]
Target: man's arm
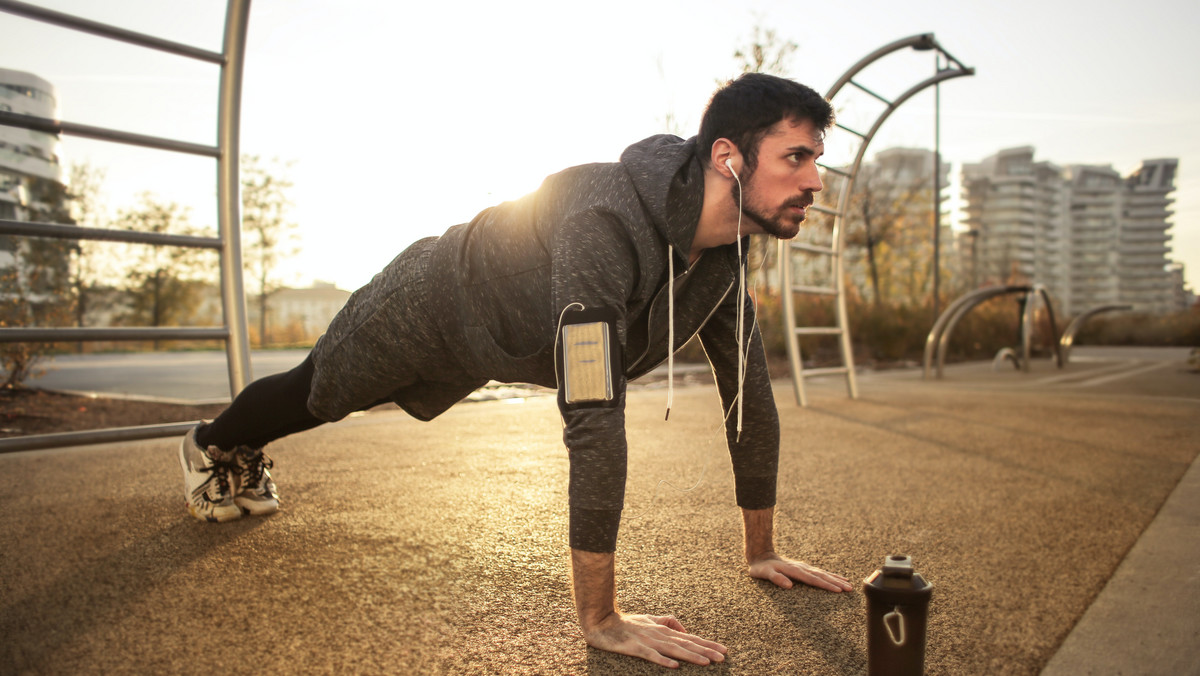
[
  {"x": 661, "y": 640},
  {"x": 765, "y": 564}
]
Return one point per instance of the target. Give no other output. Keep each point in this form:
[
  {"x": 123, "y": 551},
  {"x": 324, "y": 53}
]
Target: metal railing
[{"x": 228, "y": 242}]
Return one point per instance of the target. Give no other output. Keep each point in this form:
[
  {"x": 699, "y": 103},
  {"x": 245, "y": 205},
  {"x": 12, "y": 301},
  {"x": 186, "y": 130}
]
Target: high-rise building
[
  {"x": 1088, "y": 235},
  {"x": 26, "y": 157},
  {"x": 1143, "y": 243},
  {"x": 31, "y": 189},
  {"x": 1014, "y": 220}
]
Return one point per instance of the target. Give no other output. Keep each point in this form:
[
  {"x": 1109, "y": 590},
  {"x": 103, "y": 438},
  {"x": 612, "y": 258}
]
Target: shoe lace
[
  {"x": 218, "y": 472},
  {"x": 256, "y": 462}
]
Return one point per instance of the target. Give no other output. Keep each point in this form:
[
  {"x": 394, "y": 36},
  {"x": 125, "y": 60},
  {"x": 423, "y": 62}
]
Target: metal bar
[
  {"x": 920, "y": 41},
  {"x": 49, "y": 126},
  {"x": 816, "y": 290},
  {"x": 229, "y": 218},
  {"x": 104, "y": 30},
  {"x": 818, "y": 331},
  {"x": 1068, "y": 336},
  {"x": 812, "y": 248},
  {"x": 1058, "y": 353},
  {"x": 789, "y": 317},
  {"x": 937, "y": 190},
  {"x": 886, "y": 101},
  {"x": 827, "y": 371},
  {"x": 72, "y": 334},
  {"x": 36, "y": 442},
  {"x": 57, "y": 231},
  {"x": 852, "y": 131},
  {"x": 835, "y": 170},
  {"x": 949, "y": 57},
  {"x": 1027, "y": 327}
]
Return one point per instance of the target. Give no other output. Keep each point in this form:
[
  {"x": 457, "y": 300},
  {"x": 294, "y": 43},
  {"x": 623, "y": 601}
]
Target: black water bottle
[{"x": 897, "y": 608}]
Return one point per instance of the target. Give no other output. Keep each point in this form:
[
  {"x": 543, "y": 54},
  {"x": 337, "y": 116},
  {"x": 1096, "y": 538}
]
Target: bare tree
[
  {"x": 882, "y": 208},
  {"x": 164, "y": 283},
  {"x": 268, "y": 236},
  {"x": 766, "y": 53},
  {"x": 90, "y": 259},
  {"x": 34, "y": 288}
]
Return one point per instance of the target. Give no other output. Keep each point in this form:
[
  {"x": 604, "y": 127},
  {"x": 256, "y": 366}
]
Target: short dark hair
[{"x": 744, "y": 109}]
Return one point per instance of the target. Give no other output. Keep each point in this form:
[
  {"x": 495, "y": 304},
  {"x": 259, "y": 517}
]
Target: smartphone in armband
[{"x": 589, "y": 358}]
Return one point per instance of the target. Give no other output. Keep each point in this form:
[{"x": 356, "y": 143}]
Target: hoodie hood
[{"x": 669, "y": 180}]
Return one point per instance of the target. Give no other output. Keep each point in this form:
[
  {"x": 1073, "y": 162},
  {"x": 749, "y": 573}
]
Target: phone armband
[{"x": 589, "y": 358}]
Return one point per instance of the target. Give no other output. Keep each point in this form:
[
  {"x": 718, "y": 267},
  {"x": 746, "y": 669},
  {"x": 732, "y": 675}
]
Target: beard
[{"x": 781, "y": 222}]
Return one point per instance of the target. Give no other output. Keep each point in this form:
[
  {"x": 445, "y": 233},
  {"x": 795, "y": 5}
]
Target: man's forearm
[
  {"x": 759, "y": 527},
  {"x": 593, "y": 575}
]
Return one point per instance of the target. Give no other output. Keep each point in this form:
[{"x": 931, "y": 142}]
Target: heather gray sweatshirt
[{"x": 599, "y": 235}]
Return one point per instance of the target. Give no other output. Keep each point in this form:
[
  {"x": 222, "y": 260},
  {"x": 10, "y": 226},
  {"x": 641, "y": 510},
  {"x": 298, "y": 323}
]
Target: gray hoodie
[{"x": 599, "y": 235}]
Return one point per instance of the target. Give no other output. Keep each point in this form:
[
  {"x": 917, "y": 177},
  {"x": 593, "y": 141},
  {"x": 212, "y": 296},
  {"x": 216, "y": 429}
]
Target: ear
[{"x": 723, "y": 149}]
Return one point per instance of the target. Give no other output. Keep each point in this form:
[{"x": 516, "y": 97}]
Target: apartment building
[
  {"x": 31, "y": 189},
  {"x": 1089, "y": 235}
]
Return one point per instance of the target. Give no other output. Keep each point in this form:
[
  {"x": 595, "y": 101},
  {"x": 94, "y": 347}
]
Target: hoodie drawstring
[
  {"x": 740, "y": 329},
  {"x": 670, "y": 329}
]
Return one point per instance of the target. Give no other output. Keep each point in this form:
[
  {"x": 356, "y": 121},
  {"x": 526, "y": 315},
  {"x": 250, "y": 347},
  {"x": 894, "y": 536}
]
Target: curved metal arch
[
  {"x": 1027, "y": 327},
  {"x": 939, "y": 335},
  {"x": 1068, "y": 337},
  {"x": 943, "y": 340},
  {"x": 921, "y": 42}
]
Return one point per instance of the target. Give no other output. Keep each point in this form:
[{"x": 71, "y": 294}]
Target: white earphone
[{"x": 729, "y": 163}]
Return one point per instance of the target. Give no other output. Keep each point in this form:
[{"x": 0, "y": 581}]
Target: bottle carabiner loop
[{"x": 898, "y": 638}]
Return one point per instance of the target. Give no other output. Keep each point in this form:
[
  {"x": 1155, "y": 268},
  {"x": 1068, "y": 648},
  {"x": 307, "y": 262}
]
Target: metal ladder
[
  {"x": 227, "y": 243},
  {"x": 836, "y": 287}
]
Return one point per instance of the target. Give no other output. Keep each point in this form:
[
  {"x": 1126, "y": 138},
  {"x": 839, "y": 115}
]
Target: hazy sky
[{"x": 405, "y": 118}]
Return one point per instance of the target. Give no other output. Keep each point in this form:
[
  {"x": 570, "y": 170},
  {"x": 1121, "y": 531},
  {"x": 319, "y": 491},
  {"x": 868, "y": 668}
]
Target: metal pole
[
  {"x": 937, "y": 187},
  {"x": 229, "y": 195}
]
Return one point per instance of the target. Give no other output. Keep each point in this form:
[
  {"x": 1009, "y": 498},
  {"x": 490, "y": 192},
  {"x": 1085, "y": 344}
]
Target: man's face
[{"x": 778, "y": 191}]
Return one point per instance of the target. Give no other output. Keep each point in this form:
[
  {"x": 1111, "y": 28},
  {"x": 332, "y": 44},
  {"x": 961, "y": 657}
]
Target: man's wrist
[
  {"x": 593, "y": 575},
  {"x": 759, "y": 528}
]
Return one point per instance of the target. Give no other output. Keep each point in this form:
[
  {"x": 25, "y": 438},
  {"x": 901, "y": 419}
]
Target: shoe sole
[
  {"x": 257, "y": 508},
  {"x": 214, "y": 517}
]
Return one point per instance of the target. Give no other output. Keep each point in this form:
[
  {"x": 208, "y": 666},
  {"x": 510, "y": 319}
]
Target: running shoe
[
  {"x": 206, "y": 480},
  {"x": 255, "y": 489}
]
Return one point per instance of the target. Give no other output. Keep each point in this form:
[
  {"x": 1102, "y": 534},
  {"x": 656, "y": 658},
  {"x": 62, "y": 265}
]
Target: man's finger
[
  {"x": 819, "y": 578},
  {"x": 689, "y": 651},
  {"x": 681, "y": 634},
  {"x": 780, "y": 579},
  {"x": 669, "y": 621}
]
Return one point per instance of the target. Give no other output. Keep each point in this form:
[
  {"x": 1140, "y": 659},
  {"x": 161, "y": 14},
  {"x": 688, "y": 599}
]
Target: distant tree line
[{"x": 72, "y": 283}]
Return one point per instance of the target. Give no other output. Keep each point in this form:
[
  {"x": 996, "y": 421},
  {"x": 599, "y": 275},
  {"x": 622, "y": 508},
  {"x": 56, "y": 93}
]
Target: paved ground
[
  {"x": 199, "y": 377},
  {"x": 408, "y": 547}
]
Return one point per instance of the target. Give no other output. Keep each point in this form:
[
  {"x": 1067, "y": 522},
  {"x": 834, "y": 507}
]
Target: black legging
[{"x": 269, "y": 408}]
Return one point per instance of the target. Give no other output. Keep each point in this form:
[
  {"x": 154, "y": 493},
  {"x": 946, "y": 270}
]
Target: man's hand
[
  {"x": 765, "y": 564},
  {"x": 661, "y": 640},
  {"x": 781, "y": 571},
  {"x": 656, "y": 639}
]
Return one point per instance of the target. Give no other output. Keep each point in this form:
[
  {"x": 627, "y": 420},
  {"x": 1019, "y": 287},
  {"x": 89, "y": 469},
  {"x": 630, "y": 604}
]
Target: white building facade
[
  {"x": 26, "y": 156},
  {"x": 1089, "y": 235},
  {"x": 31, "y": 189}
]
